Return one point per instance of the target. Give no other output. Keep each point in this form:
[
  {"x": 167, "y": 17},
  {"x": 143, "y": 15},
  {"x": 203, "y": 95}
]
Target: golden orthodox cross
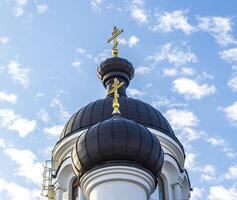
[
  {"x": 116, "y": 86},
  {"x": 116, "y": 32}
]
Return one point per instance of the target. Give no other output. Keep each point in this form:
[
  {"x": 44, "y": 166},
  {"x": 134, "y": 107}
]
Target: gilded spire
[
  {"x": 116, "y": 86},
  {"x": 116, "y": 32}
]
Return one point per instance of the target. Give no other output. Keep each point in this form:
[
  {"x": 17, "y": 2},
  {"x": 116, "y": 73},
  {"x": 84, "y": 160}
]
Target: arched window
[
  {"x": 161, "y": 189},
  {"x": 75, "y": 186}
]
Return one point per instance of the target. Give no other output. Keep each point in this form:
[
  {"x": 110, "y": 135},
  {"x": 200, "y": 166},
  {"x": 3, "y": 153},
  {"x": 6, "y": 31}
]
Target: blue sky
[{"x": 185, "y": 55}]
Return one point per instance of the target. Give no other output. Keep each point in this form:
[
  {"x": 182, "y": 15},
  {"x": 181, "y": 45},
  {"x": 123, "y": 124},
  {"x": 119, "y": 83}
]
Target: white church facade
[{"x": 117, "y": 148}]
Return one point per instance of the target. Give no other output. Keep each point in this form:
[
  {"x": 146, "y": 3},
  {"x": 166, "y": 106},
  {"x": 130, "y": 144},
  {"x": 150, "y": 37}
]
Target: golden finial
[
  {"x": 114, "y": 36},
  {"x": 116, "y": 86}
]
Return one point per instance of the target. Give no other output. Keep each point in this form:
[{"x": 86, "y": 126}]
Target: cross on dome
[
  {"x": 116, "y": 86},
  {"x": 116, "y": 32}
]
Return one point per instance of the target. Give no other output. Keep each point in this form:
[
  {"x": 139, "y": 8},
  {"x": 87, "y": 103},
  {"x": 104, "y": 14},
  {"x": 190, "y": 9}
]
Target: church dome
[
  {"x": 130, "y": 108},
  {"x": 117, "y": 141}
]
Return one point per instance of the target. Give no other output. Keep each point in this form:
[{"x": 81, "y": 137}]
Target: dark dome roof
[
  {"x": 115, "y": 141},
  {"x": 130, "y": 108},
  {"x": 115, "y": 67}
]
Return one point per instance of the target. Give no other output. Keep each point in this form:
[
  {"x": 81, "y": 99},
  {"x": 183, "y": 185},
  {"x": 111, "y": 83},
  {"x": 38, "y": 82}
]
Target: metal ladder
[{"x": 47, "y": 186}]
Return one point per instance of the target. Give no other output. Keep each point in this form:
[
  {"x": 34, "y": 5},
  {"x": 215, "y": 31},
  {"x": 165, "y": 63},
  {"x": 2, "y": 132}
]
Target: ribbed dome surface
[
  {"x": 130, "y": 108},
  {"x": 117, "y": 140}
]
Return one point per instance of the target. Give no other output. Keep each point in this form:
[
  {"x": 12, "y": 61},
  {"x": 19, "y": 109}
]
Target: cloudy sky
[{"x": 185, "y": 55}]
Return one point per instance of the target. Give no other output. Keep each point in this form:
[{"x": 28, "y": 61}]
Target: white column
[
  {"x": 59, "y": 193},
  {"x": 118, "y": 182},
  {"x": 177, "y": 191}
]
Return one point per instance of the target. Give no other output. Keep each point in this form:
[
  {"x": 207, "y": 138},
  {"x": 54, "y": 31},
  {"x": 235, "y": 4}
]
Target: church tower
[{"x": 117, "y": 147}]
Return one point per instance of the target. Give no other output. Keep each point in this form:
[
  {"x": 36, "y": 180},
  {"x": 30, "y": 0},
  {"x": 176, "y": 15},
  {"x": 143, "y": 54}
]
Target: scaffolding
[{"x": 47, "y": 186}]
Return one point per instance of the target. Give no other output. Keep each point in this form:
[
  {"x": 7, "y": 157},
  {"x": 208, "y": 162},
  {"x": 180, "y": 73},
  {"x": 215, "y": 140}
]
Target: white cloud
[
  {"x": 28, "y": 166},
  {"x": 189, "y": 134},
  {"x": 48, "y": 151},
  {"x": 55, "y": 130},
  {"x": 13, "y": 191},
  {"x": 219, "y": 142},
  {"x": 77, "y": 65},
  {"x": 181, "y": 118},
  {"x": 164, "y": 101},
  {"x": 95, "y": 4},
  {"x": 191, "y": 89},
  {"x": 10, "y": 98},
  {"x": 197, "y": 193},
  {"x": 173, "y": 55},
  {"x": 102, "y": 56},
  {"x": 215, "y": 141},
  {"x": 139, "y": 15},
  {"x": 42, "y": 8},
  {"x": 19, "y": 11},
  {"x": 21, "y": 2},
  {"x": 12, "y": 121},
  {"x": 39, "y": 94},
  {"x": 80, "y": 50},
  {"x": 205, "y": 75},
  {"x": 135, "y": 92},
  {"x": 2, "y": 144},
  {"x": 19, "y": 7},
  {"x": 56, "y": 103},
  {"x": 232, "y": 173},
  {"x": 190, "y": 161},
  {"x": 171, "y": 72},
  {"x": 4, "y": 40},
  {"x": 232, "y": 83},
  {"x": 188, "y": 71},
  {"x": 138, "y": 12},
  {"x": 170, "y": 21},
  {"x": 184, "y": 122},
  {"x": 219, "y": 27},
  {"x": 132, "y": 41},
  {"x": 230, "y": 56},
  {"x": 142, "y": 70},
  {"x": 208, "y": 173},
  {"x": 160, "y": 101},
  {"x": 43, "y": 115},
  {"x": 23, "y": 126},
  {"x": 231, "y": 113},
  {"x": 1, "y": 69},
  {"x": 18, "y": 73},
  {"x": 219, "y": 192}
]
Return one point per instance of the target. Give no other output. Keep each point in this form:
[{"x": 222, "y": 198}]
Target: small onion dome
[
  {"x": 115, "y": 67},
  {"x": 117, "y": 141}
]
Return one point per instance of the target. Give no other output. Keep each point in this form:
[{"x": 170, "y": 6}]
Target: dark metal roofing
[
  {"x": 117, "y": 140},
  {"x": 130, "y": 108},
  {"x": 115, "y": 67}
]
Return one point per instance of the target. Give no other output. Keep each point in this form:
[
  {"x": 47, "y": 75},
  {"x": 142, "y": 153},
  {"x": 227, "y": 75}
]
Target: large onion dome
[
  {"x": 118, "y": 141},
  {"x": 130, "y": 108}
]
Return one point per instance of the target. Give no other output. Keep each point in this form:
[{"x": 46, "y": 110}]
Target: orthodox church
[{"x": 116, "y": 147}]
